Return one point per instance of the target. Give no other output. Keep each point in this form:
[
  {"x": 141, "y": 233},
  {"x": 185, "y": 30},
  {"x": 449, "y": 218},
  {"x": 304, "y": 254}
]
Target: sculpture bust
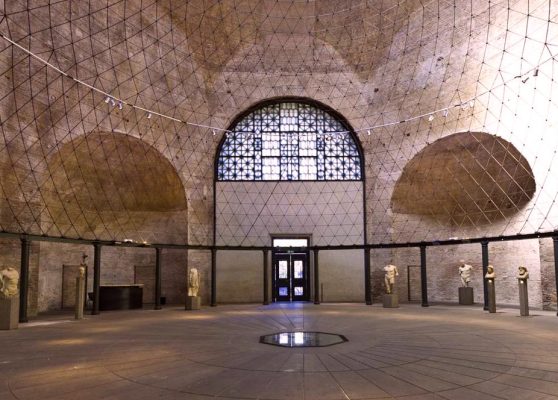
[
  {"x": 9, "y": 279},
  {"x": 82, "y": 272},
  {"x": 193, "y": 282},
  {"x": 522, "y": 273},
  {"x": 389, "y": 277},
  {"x": 465, "y": 271},
  {"x": 490, "y": 274}
]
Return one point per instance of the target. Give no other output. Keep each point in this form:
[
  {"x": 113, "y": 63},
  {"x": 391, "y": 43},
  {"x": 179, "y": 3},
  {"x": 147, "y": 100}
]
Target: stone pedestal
[
  {"x": 466, "y": 296},
  {"x": 193, "y": 303},
  {"x": 80, "y": 297},
  {"x": 9, "y": 313},
  {"x": 391, "y": 300},
  {"x": 523, "y": 298},
  {"x": 491, "y": 295}
]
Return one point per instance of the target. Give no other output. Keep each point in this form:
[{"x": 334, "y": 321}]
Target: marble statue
[
  {"x": 193, "y": 282},
  {"x": 490, "y": 274},
  {"x": 389, "y": 278},
  {"x": 491, "y": 290},
  {"x": 465, "y": 272},
  {"x": 522, "y": 273},
  {"x": 9, "y": 279}
]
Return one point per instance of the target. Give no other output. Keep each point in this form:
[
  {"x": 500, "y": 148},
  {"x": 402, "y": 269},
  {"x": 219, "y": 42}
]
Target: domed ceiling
[{"x": 175, "y": 74}]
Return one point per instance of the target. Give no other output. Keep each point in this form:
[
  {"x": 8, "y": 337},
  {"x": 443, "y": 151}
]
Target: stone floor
[{"x": 413, "y": 353}]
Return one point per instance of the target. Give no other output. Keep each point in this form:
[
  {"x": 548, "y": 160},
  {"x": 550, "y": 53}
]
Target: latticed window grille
[{"x": 289, "y": 141}]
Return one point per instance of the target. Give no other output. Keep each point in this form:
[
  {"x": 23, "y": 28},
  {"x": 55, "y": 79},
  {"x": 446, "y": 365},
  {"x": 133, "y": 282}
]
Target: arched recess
[
  {"x": 289, "y": 167},
  {"x": 465, "y": 179},
  {"x": 322, "y": 195},
  {"x": 113, "y": 186}
]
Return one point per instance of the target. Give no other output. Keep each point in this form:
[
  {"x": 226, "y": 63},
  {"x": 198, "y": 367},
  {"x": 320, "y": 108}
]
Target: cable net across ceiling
[{"x": 112, "y": 113}]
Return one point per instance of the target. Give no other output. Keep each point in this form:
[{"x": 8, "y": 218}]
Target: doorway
[{"x": 290, "y": 269}]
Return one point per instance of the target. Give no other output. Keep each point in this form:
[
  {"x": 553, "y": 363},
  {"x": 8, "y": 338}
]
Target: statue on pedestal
[
  {"x": 9, "y": 301},
  {"x": 522, "y": 276},
  {"x": 466, "y": 296},
  {"x": 193, "y": 301},
  {"x": 80, "y": 293},
  {"x": 9, "y": 279},
  {"x": 465, "y": 272},
  {"x": 491, "y": 290},
  {"x": 389, "y": 278}
]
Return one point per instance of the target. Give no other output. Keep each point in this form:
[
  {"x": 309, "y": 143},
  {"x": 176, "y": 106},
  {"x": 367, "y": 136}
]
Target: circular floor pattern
[{"x": 411, "y": 353}]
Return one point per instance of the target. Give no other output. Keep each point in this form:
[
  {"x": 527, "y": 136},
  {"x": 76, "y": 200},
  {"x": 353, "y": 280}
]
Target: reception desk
[{"x": 120, "y": 297}]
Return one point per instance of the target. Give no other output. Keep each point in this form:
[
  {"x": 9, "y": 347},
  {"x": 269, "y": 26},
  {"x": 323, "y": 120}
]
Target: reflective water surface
[{"x": 303, "y": 339}]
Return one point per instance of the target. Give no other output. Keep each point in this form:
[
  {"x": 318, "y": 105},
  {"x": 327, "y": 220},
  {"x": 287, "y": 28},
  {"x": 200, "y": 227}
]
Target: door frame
[{"x": 285, "y": 250}]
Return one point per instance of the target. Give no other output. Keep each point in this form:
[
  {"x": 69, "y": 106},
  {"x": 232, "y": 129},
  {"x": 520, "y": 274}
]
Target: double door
[{"x": 290, "y": 276}]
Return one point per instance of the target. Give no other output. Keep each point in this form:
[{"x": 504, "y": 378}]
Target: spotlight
[
  {"x": 107, "y": 99},
  {"x": 120, "y": 105},
  {"x": 431, "y": 118},
  {"x": 368, "y": 132},
  {"x": 214, "y": 133},
  {"x": 149, "y": 115},
  {"x": 112, "y": 102},
  {"x": 445, "y": 112}
]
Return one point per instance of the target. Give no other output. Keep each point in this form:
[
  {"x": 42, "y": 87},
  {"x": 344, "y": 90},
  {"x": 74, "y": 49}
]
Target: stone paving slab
[{"x": 438, "y": 353}]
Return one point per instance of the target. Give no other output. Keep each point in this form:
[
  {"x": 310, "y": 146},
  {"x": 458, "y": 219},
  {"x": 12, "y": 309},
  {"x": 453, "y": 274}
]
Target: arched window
[{"x": 290, "y": 140}]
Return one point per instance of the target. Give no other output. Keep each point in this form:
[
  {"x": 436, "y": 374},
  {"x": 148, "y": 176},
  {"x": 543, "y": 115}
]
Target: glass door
[
  {"x": 290, "y": 276},
  {"x": 299, "y": 280}
]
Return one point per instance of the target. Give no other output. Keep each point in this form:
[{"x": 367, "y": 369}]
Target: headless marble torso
[
  {"x": 193, "y": 282},
  {"x": 465, "y": 271},
  {"x": 389, "y": 277},
  {"x": 9, "y": 279}
]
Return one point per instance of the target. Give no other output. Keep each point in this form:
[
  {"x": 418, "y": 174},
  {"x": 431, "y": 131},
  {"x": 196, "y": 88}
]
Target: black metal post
[
  {"x": 158, "y": 251},
  {"x": 83, "y": 258},
  {"x": 24, "y": 279},
  {"x": 367, "y": 283},
  {"x": 423, "y": 277},
  {"x": 484, "y": 245},
  {"x": 555, "y": 240},
  {"x": 96, "y": 277},
  {"x": 265, "y": 278},
  {"x": 213, "y": 277},
  {"x": 316, "y": 278}
]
